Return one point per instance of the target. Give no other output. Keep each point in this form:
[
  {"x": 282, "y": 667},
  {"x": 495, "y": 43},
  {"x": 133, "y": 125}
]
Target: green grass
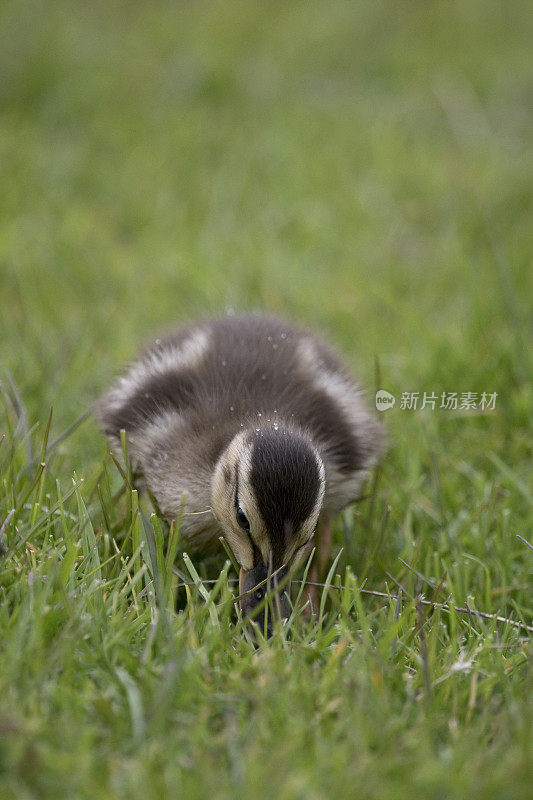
[{"x": 364, "y": 168}]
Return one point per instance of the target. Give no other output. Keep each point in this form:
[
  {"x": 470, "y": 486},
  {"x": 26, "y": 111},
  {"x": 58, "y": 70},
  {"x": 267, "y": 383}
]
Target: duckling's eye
[
  {"x": 259, "y": 594},
  {"x": 242, "y": 520}
]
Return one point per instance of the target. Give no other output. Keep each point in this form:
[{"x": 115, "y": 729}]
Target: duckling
[{"x": 258, "y": 423}]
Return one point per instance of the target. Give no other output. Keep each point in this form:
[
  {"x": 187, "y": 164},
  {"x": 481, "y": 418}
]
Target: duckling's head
[{"x": 267, "y": 492}]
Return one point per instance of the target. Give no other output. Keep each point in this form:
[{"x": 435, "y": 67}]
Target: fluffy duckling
[{"x": 260, "y": 425}]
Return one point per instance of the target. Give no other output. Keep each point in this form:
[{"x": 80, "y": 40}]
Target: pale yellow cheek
[
  {"x": 241, "y": 550},
  {"x": 302, "y": 556}
]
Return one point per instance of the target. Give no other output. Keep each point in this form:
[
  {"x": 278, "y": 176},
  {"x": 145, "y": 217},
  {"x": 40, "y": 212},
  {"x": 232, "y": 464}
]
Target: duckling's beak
[{"x": 277, "y": 605}]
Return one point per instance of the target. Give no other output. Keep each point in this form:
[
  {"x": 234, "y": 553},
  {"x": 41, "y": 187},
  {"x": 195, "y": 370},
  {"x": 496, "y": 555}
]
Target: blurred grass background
[{"x": 365, "y": 168}]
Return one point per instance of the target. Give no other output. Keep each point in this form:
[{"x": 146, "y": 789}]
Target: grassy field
[{"x": 365, "y": 168}]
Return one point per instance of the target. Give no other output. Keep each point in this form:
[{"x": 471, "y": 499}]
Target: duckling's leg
[{"x": 323, "y": 541}]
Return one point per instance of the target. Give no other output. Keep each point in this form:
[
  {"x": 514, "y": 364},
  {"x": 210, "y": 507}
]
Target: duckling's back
[{"x": 192, "y": 391}]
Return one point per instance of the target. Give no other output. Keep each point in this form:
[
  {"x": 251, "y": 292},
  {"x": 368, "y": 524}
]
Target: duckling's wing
[{"x": 164, "y": 380}]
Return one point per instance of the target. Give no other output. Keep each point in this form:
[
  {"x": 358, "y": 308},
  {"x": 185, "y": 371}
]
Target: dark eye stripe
[
  {"x": 301, "y": 547},
  {"x": 242, "y": 520},
  {"x": 236, "y": 499}
]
